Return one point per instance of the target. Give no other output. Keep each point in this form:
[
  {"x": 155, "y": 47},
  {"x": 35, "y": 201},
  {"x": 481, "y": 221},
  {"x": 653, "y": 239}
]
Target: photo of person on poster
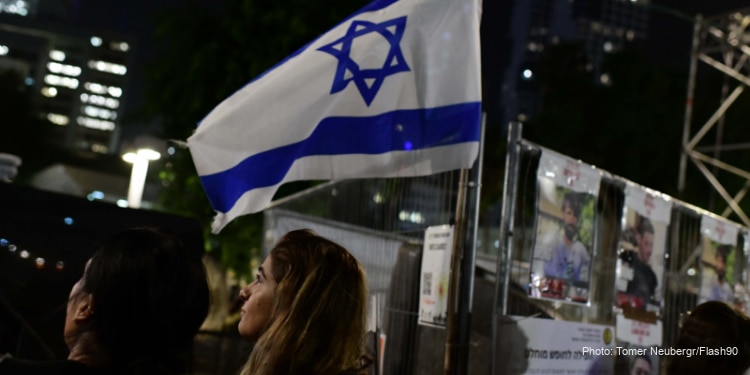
[
  {"x": 636, "y": 253},
  {"x": 635, "y": 365},
  {"x": 717, "y": 282},
  {"x": 562, "y": 260},
  {"x": 569, "y": 256}
]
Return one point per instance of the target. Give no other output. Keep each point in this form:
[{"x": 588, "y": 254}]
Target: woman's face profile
[
  {"x": 258, "y": 303},
  {"x": 78, "y": 304}
]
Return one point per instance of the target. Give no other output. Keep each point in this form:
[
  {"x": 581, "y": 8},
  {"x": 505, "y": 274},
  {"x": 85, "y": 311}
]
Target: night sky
[
  {"x": 670, "y": 37},
  {"x": 668, "y": 43}
]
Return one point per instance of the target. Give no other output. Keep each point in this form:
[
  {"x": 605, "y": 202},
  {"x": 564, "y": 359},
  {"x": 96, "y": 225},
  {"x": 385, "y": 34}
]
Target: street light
[{"x": 140, "y": 160}]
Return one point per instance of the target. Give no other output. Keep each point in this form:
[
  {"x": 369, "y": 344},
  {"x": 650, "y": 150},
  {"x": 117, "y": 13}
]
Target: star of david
[{"x": 368, "y": 81}]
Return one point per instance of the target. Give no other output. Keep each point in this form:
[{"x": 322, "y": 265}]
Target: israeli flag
[{"x": 392, "y": 91}]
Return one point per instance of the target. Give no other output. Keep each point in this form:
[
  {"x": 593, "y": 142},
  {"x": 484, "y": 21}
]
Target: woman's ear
[{"x": 84, "y": 309}]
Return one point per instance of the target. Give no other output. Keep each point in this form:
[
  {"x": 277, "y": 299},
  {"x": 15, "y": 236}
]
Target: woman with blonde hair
[{"x": 306, "y": 310}]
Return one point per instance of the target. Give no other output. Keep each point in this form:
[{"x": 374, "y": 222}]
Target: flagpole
[{"x": 461, "y": 278}]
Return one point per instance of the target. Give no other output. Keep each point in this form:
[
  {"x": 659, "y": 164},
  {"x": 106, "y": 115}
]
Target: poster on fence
[
  {"x": 718, "y": 254},
  {"x": 636, "y": 359},
  {"x": 640, "y": 257},
  {"x": 564, "y": 237},
  {"x": 636, "y": 332},
  {"x": 433, "y": 285},
  {"x": 562, "y": 347}
]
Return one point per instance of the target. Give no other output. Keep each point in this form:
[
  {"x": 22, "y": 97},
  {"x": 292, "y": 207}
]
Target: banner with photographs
[
  {"x": 718, "y": 255},
  {"x": 640, "y": 255},
  {"x": 564, "y": 238}
]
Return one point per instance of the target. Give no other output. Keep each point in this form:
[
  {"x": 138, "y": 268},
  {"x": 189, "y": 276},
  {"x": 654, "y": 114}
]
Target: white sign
[
  {"x": 718, "y": 230},
  {"x": 648, "y": 203},
  {"x": 569, "y": 173},
  {"x": 434, "y": 280},
  {"x": 560, "y": 347},
  {"x": 639, "y": 333}
]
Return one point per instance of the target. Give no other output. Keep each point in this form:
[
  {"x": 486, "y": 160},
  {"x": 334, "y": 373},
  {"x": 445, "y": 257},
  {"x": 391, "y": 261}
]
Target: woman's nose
[{"x": 245, "y": 293}]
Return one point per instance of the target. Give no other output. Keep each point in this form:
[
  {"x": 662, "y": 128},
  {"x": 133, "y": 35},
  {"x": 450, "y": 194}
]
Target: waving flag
[{"x": 392, "y": 91}]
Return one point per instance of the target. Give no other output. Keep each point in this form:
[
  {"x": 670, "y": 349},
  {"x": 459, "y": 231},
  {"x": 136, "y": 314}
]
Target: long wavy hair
[{"x": 319, "y": 313}]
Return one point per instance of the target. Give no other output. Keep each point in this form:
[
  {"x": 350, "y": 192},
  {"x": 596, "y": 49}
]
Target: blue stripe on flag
[{"x": 400, "y": 130}]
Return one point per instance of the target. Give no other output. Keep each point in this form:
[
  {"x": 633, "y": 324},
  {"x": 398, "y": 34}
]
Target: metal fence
[
  {"x": 683, "y": 259},
  {"x": 382, "y": 221}
]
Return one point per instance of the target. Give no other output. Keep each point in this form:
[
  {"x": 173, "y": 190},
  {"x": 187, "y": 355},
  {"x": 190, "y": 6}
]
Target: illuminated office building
[
  {"x": 79, "y": 79},
  {"x": 601, "y": 26},
  {"x": 24, "y": 8}
]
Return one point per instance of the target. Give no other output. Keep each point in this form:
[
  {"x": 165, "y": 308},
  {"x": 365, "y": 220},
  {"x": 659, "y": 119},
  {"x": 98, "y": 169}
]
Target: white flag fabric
[{"x": 392, "y": 91}]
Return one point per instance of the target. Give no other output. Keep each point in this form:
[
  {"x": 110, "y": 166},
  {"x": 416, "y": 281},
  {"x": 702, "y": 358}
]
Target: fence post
[
  {"x": 458, "y": 322},
  {"x": 510, "y": 187}
]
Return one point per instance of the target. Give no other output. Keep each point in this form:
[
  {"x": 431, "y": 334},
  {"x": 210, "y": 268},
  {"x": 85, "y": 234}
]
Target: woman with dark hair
[
  {"x": 306, "y": 310},
  {"x": 713, "y": 325},
  {"x": 140, "y": 302}
]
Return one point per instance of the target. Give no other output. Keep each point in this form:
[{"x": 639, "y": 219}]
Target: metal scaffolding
[{"x": 723, "y": 43}]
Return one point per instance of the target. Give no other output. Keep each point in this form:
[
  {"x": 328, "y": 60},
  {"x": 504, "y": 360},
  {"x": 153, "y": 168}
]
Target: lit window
[
  {"x": 100, "y": 149},
  {"x": 49, "y": 92},
  {"x": 58, "y": 119},
  {"x": 4, "y": 50},
  {"x": 100, "y": 100},
  {"x": 19, "y": 7},
  {"x": 96, "y": 41},
  {"x": 93, "y": 123},
  {"x": 68, "y": 70},
  {"x": 57, "y": 55},
  {"x": 56, "y": 80},
  {"x": 108, "y": 67},
  {"x": 119, "y": 46},
  {"x": 414, "y": 217},
  {"x": 99, "y": 112},
  {"x": 95, "y": 88},
  {"x": 98, "y": 88},
  {"x": 111, "y": 103}
]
